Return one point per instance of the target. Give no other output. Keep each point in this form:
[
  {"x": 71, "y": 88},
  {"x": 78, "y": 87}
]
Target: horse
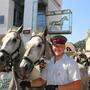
[
  {"x": 36, "y": 48},
  {"x": 11, "y": 51}
]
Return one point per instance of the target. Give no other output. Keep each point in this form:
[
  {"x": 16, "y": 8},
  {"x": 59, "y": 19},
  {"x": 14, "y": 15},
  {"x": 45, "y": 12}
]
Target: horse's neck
[
  {"x": 15, "y": 68},
  {"x": 21, "y": 52}
]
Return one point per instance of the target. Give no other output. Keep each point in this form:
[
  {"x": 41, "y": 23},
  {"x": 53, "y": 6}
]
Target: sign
[{"x": 59, "y": 22}]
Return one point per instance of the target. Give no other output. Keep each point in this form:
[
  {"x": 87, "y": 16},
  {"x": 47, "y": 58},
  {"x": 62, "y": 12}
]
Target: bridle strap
[
  {"x": 30, "y": 62},
  {"x": 33, "y": 63},
  {"x": 3, "y": 51},
  {"x": 17, "y": 48},
  {"x": 27, "y": 59}
]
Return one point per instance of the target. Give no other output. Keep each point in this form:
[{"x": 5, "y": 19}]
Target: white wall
[{"x": 6, "y": 9}]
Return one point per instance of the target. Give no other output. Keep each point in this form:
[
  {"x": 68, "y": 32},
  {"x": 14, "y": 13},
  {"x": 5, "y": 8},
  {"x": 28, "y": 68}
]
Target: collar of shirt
[{"x": 61, "y": 59}]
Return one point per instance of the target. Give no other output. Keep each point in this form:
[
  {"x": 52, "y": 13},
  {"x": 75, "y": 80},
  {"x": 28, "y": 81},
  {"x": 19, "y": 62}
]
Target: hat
[{"x": 58, "y": 39}]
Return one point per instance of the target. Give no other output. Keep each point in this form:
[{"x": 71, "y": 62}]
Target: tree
[{"x": 80, "y": 44}]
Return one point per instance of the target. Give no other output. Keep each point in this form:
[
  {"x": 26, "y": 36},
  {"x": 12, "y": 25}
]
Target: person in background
[
  {"x": 62, "y": 72},
  {"x": 5, "y": 77}
]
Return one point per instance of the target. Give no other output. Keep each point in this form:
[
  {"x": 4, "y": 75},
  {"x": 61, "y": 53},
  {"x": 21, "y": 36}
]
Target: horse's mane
[{"x": 22, "y": 49}]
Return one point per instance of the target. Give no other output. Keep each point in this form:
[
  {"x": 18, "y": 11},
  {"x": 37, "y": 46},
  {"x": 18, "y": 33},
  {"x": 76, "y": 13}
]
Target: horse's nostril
[
  {"x": 2, "y": 58},
  {"x": 26, "y": 67}
]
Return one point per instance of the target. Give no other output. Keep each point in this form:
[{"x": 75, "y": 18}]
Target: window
[
  {"x": 1, "y": 19},
  {"x": 41, "y": 20}
]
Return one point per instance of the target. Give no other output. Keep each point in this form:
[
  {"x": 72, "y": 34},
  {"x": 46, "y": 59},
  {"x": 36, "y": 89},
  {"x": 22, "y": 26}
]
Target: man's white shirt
[{"x": 61, "y": 72}]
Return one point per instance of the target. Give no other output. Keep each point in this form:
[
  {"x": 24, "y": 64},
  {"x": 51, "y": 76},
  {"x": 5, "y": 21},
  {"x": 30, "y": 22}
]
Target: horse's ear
[
  {"x": 45, "y": 32},
  {"x": 20, "y": 29}
]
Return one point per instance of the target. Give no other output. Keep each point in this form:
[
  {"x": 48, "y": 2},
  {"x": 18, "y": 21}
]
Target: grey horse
[{"x": 11, "y": 51}]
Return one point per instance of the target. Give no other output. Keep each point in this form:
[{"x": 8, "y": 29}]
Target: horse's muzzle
[{"x": 25, "y": 66}]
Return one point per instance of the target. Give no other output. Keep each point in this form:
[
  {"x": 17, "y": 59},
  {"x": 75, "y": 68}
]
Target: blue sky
[{"x": 80, "y": 18}]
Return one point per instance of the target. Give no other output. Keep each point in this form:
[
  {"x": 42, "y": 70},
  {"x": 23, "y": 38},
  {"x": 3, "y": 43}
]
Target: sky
[{"x": 80, "y": 18}]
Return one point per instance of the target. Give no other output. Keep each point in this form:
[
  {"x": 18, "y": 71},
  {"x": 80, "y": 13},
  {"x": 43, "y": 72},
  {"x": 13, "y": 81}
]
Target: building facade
[{"x": 6, "y": 15}]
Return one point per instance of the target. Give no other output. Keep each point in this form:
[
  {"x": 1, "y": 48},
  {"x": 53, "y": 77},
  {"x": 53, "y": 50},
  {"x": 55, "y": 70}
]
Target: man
[{"x": 62, "y": 72}]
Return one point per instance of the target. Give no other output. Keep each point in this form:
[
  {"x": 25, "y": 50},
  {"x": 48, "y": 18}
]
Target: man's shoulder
[{"x": 69, "y": 59}]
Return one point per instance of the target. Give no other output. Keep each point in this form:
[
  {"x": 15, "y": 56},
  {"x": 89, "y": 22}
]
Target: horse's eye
[
  {"x": 14, "y": 40},
  {"x": 39, "y": 45}
]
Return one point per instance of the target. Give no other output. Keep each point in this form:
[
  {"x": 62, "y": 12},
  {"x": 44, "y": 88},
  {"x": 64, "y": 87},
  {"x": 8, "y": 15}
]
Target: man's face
[{"x": 58, "y": 49}]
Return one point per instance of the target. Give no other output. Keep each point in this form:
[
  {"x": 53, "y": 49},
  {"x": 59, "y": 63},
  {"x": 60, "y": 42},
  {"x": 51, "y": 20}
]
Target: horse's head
[
  {"x": 11, "y": 43},
  {"x": 35, "y": 48}
]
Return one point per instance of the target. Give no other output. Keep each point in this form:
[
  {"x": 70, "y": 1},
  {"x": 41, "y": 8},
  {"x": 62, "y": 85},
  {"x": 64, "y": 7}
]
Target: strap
[{"x": 51, "y": 87}]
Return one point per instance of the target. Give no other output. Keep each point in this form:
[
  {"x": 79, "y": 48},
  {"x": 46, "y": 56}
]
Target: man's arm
[{"x": 76, "y": 85}]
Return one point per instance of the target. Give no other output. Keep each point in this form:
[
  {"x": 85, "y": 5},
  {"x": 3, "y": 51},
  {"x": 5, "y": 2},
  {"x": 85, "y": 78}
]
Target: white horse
[
  {"x": 11, "y": 51},
  {"x": 35, "y": 49}
]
